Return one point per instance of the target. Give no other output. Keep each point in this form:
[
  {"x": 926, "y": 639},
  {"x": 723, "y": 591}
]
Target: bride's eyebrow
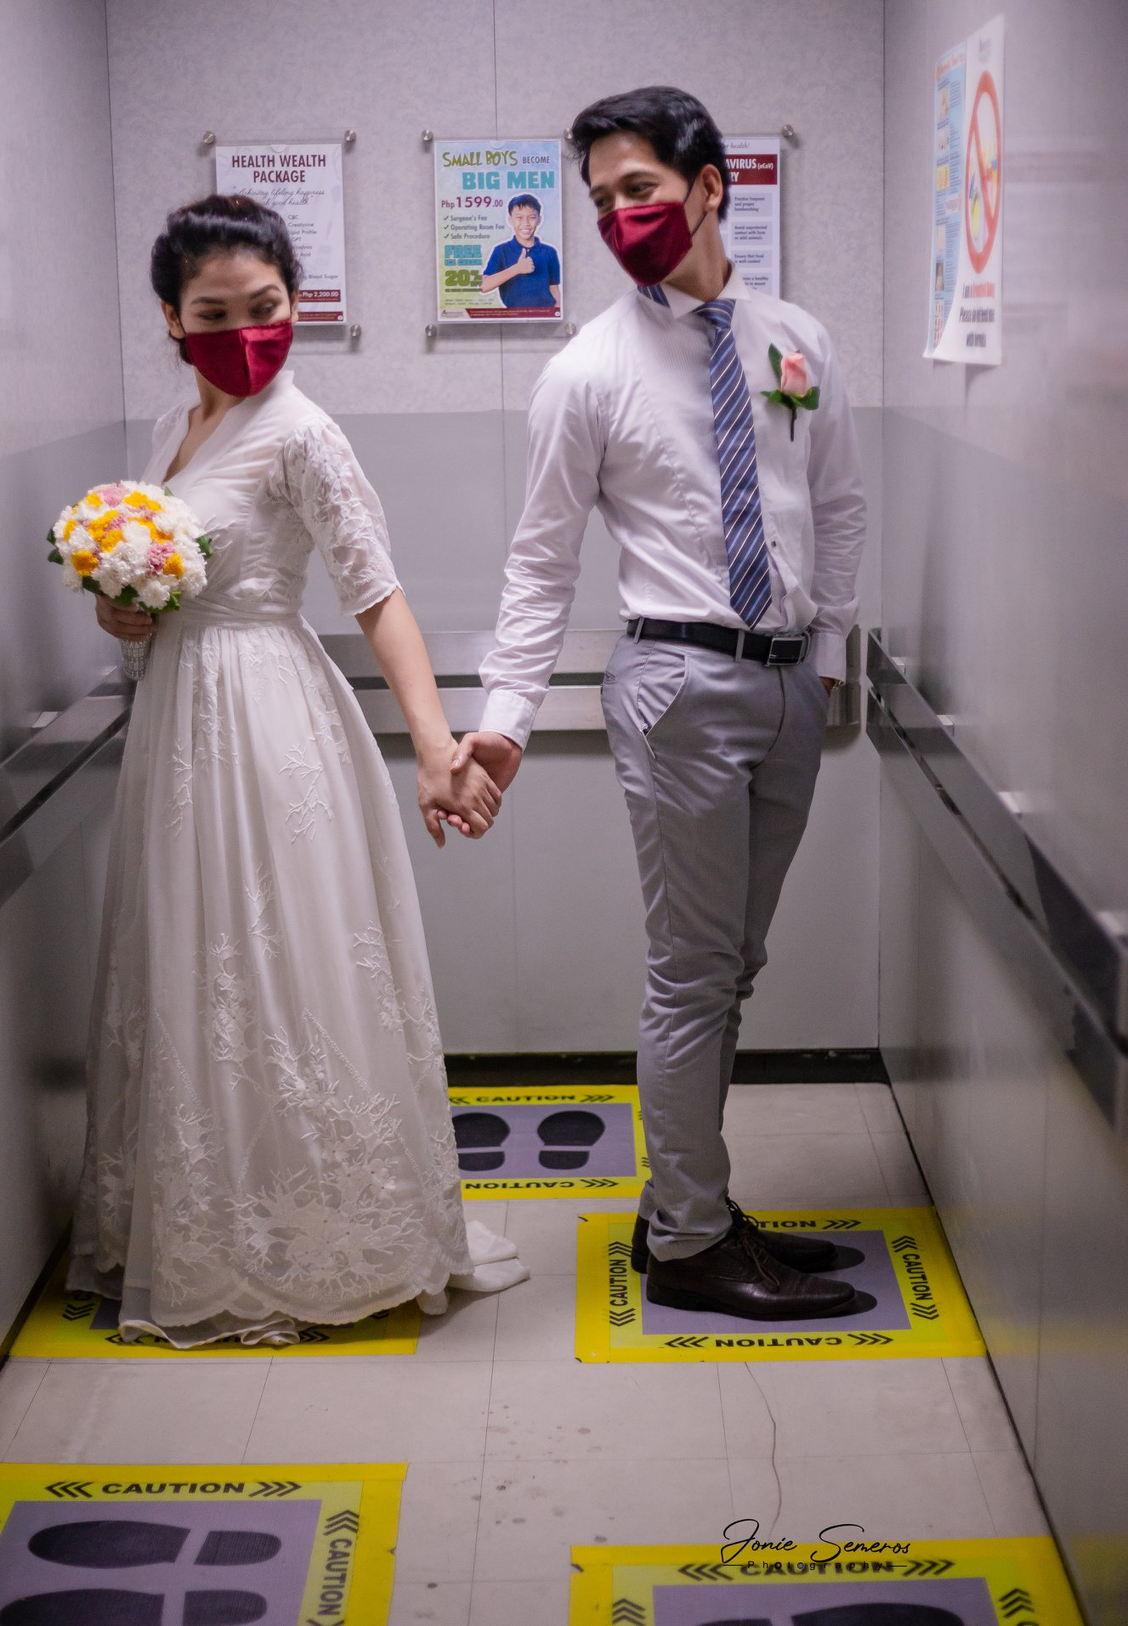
[{"x": 219, "y": 299}]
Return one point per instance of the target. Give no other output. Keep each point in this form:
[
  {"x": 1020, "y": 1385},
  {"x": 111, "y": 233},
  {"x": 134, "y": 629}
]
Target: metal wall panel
[{"x": 1004, "y": 579}]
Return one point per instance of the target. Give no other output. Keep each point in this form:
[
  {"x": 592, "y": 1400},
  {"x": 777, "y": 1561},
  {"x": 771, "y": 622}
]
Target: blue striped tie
[{"x": 749, "y": 582}]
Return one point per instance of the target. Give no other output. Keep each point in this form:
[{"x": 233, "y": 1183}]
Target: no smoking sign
[{"x": 983, "y": 192}]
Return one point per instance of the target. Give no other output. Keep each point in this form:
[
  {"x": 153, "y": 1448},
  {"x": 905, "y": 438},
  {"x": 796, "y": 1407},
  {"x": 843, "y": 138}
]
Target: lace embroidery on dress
[{"x": 318, "y": 474}]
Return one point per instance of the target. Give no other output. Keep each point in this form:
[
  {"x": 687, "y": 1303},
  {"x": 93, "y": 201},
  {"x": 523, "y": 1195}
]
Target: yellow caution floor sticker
[
  {"x": 197, "y": 1546},
  {"x": 551, "y": 1142},
  {"x": 83, "y": 1326},
  {"x": 992, "y": 1582},
  {"x": 909, "y": 1297}
]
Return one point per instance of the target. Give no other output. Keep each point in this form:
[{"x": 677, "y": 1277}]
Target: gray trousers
[{"x": 718, "y": 759}]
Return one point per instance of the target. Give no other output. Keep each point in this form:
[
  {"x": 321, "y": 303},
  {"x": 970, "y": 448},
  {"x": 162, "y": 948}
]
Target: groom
[{"x": 740, "y": 522}]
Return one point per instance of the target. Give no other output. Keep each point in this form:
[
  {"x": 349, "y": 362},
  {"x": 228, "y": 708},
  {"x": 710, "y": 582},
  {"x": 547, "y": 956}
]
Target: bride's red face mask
[
  {"x": 236, "y": 322},
  {"x": 241, "y": 360}
]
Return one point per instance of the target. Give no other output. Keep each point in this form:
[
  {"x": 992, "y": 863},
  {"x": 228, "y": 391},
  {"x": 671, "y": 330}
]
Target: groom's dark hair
[{"x": 676, "y": 124}]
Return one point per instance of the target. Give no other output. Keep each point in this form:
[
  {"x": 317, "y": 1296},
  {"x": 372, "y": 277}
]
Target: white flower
[
  {"x": 71, "y": 577},
  {"x": 193, "y": 579},
  {"x": 154, "y": 594},
  {"x": 134, "y": 531}
]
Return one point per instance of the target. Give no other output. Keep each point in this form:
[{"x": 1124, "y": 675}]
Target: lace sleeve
[{"x": 319, "y": 476}]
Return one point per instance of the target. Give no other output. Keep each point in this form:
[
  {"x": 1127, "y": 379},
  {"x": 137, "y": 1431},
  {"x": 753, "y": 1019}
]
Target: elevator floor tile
[{"x": 911, "y": 1301}]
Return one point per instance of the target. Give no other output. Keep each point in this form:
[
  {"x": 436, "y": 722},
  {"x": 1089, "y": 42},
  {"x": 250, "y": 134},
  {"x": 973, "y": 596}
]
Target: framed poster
[
  {"x": 751, "y": 229},
  {"x": 303, "y": 181},
  {"x": 498, "y": 221}
]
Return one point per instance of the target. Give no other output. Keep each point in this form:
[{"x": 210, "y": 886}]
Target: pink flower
[
  {"x": 793, "y": 379},
  {"x": 111, "y": 494},
  {"x": 158, "y": 553}
]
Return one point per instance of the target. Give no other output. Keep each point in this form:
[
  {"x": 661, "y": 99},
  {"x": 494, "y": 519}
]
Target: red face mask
[
  {"x": 241, "y": 360},
  {"x": 649, "y": 240}
]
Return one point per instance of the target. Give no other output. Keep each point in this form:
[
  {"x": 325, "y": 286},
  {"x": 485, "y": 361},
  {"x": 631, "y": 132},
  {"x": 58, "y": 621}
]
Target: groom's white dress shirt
[{"x": 622, "y": 420}]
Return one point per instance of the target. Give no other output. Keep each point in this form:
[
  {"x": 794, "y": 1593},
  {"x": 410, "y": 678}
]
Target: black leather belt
[{"x": 772, "y": 648}]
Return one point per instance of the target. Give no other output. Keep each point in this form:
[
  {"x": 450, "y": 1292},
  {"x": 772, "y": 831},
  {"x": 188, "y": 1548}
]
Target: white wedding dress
[{"x": 270, "y": 1141}]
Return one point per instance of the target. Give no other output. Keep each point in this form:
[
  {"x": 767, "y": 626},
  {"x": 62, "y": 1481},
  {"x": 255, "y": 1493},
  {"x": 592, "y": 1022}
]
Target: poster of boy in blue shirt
[{"x": 525, "y": 271}]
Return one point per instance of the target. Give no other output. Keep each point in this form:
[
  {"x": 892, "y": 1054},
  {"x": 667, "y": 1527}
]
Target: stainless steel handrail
[
  {"x": 572, "y": 702},
  {"x": 68, "y": 767},
  {"x": 1073, "y": 962},
  {"x": 56, "y": 778}
]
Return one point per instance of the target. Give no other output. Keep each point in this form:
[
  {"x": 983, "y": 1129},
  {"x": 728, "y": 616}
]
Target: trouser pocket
[{"x": 659, "y": 684}]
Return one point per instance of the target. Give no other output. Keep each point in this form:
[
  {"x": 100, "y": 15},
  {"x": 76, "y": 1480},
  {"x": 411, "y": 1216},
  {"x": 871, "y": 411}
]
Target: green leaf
[
  {"x": 51, "y": 535},
  {"x": 773, "y": 395},
  {"x": 775, "y": 356},
  {"x": 173, "y": 601},
  {"x": 167, "y": 490},
  {"x": 810, "y": 400},
  {"x": 204, "y": 544},
  {"x": 90, "y": 585},
  {"x": 55, "y": 556},
  {"x": 126, "y": 596}
]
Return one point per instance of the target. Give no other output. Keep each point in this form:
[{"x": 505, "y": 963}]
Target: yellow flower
[
  {"x": 174, "y": 565},
  {"x": 68, "y": 528},
  {"x": 138, "y": 499},
  {"x": 93, "y": 499},
  {"x": 84, "y": 561},
  {"x": 110, "y": 540},
  {"x": 98, "y": 527}
]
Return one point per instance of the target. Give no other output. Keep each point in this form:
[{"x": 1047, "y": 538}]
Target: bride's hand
[
  {"x": 123, "y": 621},
  {"x": 468, "y": 802}
]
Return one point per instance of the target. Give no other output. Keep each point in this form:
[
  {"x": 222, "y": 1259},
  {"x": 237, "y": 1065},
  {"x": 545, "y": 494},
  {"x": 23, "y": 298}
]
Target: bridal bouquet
[{"x": 136, "y": 545}]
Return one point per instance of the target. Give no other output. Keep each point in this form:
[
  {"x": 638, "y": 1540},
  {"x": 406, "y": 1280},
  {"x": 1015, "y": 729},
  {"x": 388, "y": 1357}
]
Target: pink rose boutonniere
[{"x": 795, "y": 387}]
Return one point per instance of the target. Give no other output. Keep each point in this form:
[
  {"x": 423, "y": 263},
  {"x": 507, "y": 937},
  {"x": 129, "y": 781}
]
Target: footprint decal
[
  {"x": 474, "y": 1131},
  {"x": 565, "y": 1134},
  {"x": 118, "y": 1544}
]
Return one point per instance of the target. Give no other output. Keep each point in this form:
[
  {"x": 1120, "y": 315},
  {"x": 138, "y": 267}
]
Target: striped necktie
[{"x": 745, "y": 544}]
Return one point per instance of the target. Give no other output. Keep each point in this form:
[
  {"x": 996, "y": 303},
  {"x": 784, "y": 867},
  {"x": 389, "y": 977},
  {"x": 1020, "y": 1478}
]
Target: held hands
[
  {"x": 500, "y": 757},
  {"x": 466, "y": 794},
  {"x": 468, "y": 803}
]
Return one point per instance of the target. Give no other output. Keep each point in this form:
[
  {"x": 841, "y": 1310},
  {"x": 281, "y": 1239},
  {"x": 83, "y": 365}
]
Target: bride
[{"x": 270, "y": 1140}]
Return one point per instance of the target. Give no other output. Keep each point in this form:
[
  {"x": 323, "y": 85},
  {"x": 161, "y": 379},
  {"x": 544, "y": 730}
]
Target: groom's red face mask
[{"x": 649, "y": 240}]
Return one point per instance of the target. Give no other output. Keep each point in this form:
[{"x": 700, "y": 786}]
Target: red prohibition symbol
[{"x": 983, "y": 191}]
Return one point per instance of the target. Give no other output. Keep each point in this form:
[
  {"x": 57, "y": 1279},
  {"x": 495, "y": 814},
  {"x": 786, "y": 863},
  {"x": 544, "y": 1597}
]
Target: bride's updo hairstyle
[{"x": 220, "y": 224}]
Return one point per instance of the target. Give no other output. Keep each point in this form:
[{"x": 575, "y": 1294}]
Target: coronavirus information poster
[
  {"x": 303, "y": 181},
  {"x": 965, "y": 267},
  {"x": 498, "y": 230},
  {"x": 750, "y": 229}
]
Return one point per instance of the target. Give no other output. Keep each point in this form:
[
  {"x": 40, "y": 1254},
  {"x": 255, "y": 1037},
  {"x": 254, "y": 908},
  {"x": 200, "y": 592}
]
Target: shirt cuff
[
  {"x": 828, "y": 651},
  {"x": 509, "y": 714}
]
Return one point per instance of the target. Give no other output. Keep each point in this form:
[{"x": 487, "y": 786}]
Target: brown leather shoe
[
  {"x": 800, "y": 1252},
  {"x": 737, "y": 1276}
]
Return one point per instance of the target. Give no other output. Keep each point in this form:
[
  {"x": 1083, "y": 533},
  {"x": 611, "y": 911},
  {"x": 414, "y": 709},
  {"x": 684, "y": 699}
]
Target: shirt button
[{"x": 775, "y": 544}]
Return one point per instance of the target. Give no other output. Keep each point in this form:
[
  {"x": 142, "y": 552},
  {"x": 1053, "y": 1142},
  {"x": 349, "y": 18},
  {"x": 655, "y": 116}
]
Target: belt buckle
[{"x": 802, "y": 639}]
